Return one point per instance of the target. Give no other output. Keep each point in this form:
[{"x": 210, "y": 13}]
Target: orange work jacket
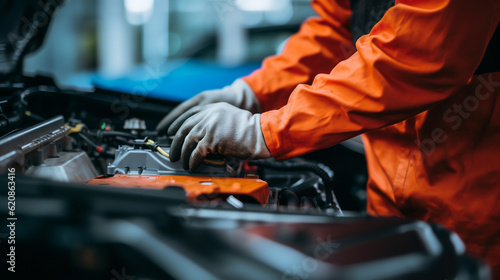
[{"x": 431, "y": 121}]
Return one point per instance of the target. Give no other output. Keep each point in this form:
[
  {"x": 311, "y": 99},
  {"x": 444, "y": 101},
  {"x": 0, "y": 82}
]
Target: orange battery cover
[{"x": 195, "y": 186}]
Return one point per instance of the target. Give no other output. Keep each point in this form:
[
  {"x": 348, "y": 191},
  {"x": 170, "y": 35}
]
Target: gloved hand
[
  {"x": 238, "y": 94},
  {"x": 218, "y": 128}
]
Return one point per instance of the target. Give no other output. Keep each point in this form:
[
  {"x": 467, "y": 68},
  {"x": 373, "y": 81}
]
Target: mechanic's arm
[
  {"x": 421, "y": 52},
  {"x": 321, "y": 43}
]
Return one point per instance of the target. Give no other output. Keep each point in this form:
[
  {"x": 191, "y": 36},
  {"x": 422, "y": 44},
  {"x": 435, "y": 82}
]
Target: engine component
[
  {"x": 299, "y": 184},
  {"x": 15, "y": 148},
  {"x": 143, "y": 161},
  {"x": 66, "y": 167},
  {"x": 322, "y": 171},
  {"x": 38, "y": 151},
  {"x": 134, "y": 124},
  {"x": 198, "y": 188},
  {"x": 146, "y": 165}
]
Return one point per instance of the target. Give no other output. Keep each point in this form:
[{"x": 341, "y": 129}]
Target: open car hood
[{"x": 23, "y": 25}]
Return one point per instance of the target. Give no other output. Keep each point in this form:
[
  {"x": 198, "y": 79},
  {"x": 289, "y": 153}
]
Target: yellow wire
[
  {"x": 161, "y": 151},
  {"x": 75, "y": 129}
]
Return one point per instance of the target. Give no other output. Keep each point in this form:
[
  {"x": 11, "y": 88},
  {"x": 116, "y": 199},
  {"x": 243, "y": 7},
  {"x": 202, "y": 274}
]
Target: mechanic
[{"x": 419, "y": 87}]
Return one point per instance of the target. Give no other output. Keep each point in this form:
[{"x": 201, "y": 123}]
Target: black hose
[
  {"x": 300, "y": 166},
  {"x": 9, "y": 123},
  {"x": 88, "y": 141},
  {"x": 94, "y": 145},
  {"x": 306, "y": 187},
  {"x": 122, "y": 138},
  {"x": 115, "y": 134}
]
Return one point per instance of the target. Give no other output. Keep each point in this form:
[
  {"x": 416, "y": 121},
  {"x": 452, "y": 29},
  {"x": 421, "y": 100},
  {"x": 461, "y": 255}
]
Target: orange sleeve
[
  {"x": 320, "y": 44},
  {"x": 421, "y": 52}
]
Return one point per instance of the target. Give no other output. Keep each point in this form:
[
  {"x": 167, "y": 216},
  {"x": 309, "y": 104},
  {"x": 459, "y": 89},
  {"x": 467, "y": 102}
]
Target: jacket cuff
[
  {"x": 270, "y": 137},
  {"x": 259, "y": 98}
]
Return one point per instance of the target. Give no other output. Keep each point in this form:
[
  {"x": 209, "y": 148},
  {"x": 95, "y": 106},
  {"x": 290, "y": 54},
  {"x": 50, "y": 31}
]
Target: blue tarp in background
[{"x": 179, "y": 84}]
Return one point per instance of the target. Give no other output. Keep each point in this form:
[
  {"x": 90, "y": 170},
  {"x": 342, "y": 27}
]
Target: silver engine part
[
  {"x": 66, "y": 167},
  {"x": 138, "y": 161},
  {"x": 43, "y": 151}
]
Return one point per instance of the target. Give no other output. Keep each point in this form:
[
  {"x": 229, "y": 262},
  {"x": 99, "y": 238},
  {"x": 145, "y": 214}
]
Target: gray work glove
[
  {"x": 238, "y": 94},
  {"x": 218, "y": 128}
]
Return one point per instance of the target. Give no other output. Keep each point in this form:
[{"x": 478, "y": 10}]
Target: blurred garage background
[{"x": 184, "y": 45}]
